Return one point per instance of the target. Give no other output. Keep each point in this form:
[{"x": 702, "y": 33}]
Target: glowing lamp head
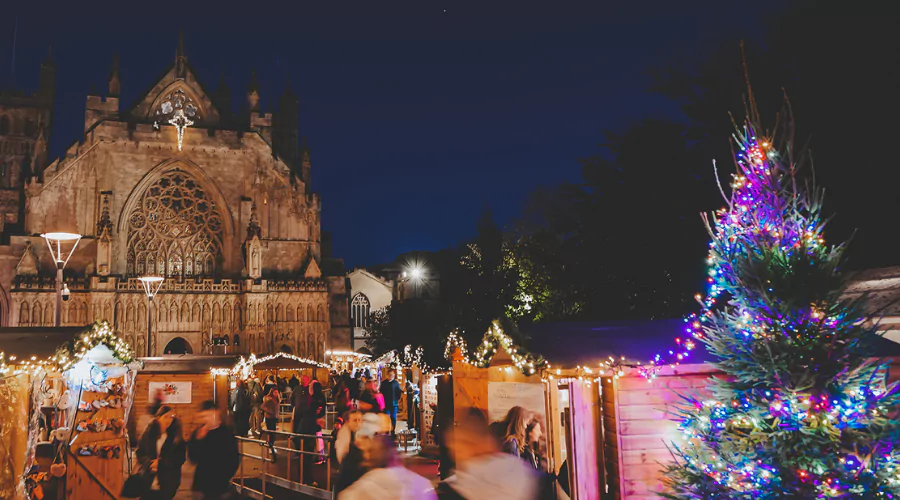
[
  {"x": 58, "y": 244},
  {"x": 416, "y": 273},
  {"x": 151, "y": 284}
]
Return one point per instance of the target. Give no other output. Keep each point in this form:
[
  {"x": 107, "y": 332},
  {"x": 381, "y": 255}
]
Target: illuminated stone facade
[{"x": 177, "y": 185}]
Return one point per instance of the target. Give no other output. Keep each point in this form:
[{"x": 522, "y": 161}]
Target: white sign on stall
[
  {"x": 504, "y": 395},
  {"x": 172, "y": 392}
]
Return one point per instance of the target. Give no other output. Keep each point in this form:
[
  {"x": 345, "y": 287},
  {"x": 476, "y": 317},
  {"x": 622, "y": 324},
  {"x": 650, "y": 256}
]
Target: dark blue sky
[{"x": 417, "y": 118}]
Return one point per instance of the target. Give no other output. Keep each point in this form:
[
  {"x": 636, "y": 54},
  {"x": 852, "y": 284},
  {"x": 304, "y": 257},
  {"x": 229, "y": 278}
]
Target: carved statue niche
[
  {"x": 28, "y": 264},
  {"x": 104, "y": 236},
  {"x": 253, "y": 247}
]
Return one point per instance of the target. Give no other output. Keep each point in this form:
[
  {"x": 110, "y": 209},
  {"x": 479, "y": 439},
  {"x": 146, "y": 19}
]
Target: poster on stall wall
[
  {"x": 172, "y": 392},
  {"x": 504, "y": 395}
]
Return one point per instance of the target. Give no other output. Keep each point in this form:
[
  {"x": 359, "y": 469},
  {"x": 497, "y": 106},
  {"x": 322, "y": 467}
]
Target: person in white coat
[{"x": 386, "y": 476}]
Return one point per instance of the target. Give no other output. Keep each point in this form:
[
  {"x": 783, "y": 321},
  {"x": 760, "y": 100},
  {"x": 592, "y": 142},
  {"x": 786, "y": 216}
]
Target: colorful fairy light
[{"x": 803, "y": 412}]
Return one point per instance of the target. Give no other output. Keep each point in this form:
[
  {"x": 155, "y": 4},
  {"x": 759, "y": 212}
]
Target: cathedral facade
[{"x": 177, "y": 186}]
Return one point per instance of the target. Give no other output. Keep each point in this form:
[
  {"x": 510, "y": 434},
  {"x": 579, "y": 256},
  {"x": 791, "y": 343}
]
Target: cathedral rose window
[{"x": 175, "y": 230}]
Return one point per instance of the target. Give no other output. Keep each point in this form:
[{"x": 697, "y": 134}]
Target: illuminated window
[
  {"x": 175, "y": 230},
  {"x": 359, "y": 308}
]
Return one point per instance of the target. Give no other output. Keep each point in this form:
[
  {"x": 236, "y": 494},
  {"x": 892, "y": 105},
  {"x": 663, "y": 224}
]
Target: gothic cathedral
[{"x": 178, "y": 186}]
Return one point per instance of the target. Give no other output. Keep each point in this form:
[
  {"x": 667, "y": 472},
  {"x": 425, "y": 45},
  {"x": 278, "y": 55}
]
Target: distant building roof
[{"x": 589, "y": 343}]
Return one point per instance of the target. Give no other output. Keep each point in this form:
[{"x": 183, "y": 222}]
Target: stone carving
[{"x": 28, "y": 264}]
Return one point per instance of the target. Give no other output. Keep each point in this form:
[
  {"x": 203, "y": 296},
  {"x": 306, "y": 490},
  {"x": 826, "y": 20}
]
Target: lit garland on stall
[
  {"x": 71, "y": 352},
  {"x": 243, "y": 369},
  {"x": 803, "y": 413},
  {"x": 100, "y": 333},
  {"x": 493, "y": 339}
]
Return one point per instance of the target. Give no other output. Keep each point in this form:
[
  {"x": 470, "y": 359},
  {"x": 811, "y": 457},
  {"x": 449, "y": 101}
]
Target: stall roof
[
  {"x": 41, "y": 342},
  {"x": 187, "y": 363},
  {"x": 589, "y": 343},
  {"x": 284, "y": 363}
]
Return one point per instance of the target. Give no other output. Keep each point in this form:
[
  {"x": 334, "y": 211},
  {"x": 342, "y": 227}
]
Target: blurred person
[
  {"x": 386, "y": 477},
  {"x": 154, "y": 405},
  {"x": 270, "y": 406},
  {"x": 361, "y": 387},
  {"x": 161, "y": 453},
  {"x": 363, "y": 428},
  {"x": 214, "y": 449},
  {"x": 347, "y": 434},
  {"x": 371, "y": 400},
  {"x": 483, "y": 472},
  {"x": 392, "y": 392},
  {"x": 294, "y": 382},
  {"x": 240, "y": 405},
  {"x": 300, "y": 401},
  {"x": 270, "y": 383},
  {"x": 312, "y": 423},
  {"x": 341, "y": 395}
]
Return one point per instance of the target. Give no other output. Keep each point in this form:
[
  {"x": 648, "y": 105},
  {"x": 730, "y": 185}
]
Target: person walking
[
  {"x": 270, "y": 406},
  {"x": 213, "y": 448},
  {"x": 161, "y": 454},
  {"x": 240, "y": 405},
  {"x": 299, "y": 405},
  {"x": 392, "y": 392},
  {"x": 255, "y": 391},
  {"x": 386, "y": 476}
]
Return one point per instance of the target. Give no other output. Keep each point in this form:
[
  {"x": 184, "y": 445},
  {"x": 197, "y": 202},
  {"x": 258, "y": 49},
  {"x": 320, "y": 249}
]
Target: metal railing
[{"x": 270, "y": 465}]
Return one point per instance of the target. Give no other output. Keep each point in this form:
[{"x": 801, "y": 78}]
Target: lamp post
[
  {"x": 151, "y": 285},
  {"x": 56, "y": 242},
  {"x": 416, "y": 274}
]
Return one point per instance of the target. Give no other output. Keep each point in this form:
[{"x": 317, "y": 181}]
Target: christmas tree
[{"x": 803, "y": 410}]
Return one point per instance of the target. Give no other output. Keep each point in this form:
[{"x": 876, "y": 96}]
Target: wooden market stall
[
  {"x": 631, "y": 419},
  {"x": 73, "y": 405}
]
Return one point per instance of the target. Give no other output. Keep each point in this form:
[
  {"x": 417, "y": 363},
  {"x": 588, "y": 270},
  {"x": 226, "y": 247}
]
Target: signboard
[
  {"x": 504, "y": 395},
  {"x": 172, "y": 392}
]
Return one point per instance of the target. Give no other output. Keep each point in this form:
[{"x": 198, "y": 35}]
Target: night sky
[{"x": 418, "y": 114}]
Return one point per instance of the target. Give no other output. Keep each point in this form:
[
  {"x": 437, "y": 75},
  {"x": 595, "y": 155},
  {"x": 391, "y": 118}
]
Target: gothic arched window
[
  {"x": 359, "y": 309},
  {"x": 175, "y": 230}
]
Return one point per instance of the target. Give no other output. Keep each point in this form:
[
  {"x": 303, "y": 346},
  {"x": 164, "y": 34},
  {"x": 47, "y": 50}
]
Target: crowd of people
[{"x": 505, "y": 459}]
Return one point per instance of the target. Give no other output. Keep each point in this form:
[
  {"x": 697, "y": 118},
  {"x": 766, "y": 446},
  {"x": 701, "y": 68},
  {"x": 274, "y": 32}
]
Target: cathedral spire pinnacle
[
  {"x": 114, "y": 83},
  {"x": 180, "y": 58},
  {"x": 253, "y": 228},
  {"x": 253, "y": 93}
]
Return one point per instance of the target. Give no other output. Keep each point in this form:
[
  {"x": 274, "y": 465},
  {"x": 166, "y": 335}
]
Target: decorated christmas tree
[{"x": 803, "y": 410}]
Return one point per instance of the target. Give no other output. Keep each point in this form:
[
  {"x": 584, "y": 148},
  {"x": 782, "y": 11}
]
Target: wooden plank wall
[
  {"x": 583, "y": 406},
  {"x": 640, "y": 426},
  {"x": 637, "y": 425}
]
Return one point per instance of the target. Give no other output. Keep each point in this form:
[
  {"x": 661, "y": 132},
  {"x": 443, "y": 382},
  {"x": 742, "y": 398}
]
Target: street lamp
[
  {"x": 151, "y": 285},
  {"x": 414, "y": 274},
  {"x": 56, "y": 243}
]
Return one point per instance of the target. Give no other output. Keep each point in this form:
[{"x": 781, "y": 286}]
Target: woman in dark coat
[{"x": 161, "y": 454}]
